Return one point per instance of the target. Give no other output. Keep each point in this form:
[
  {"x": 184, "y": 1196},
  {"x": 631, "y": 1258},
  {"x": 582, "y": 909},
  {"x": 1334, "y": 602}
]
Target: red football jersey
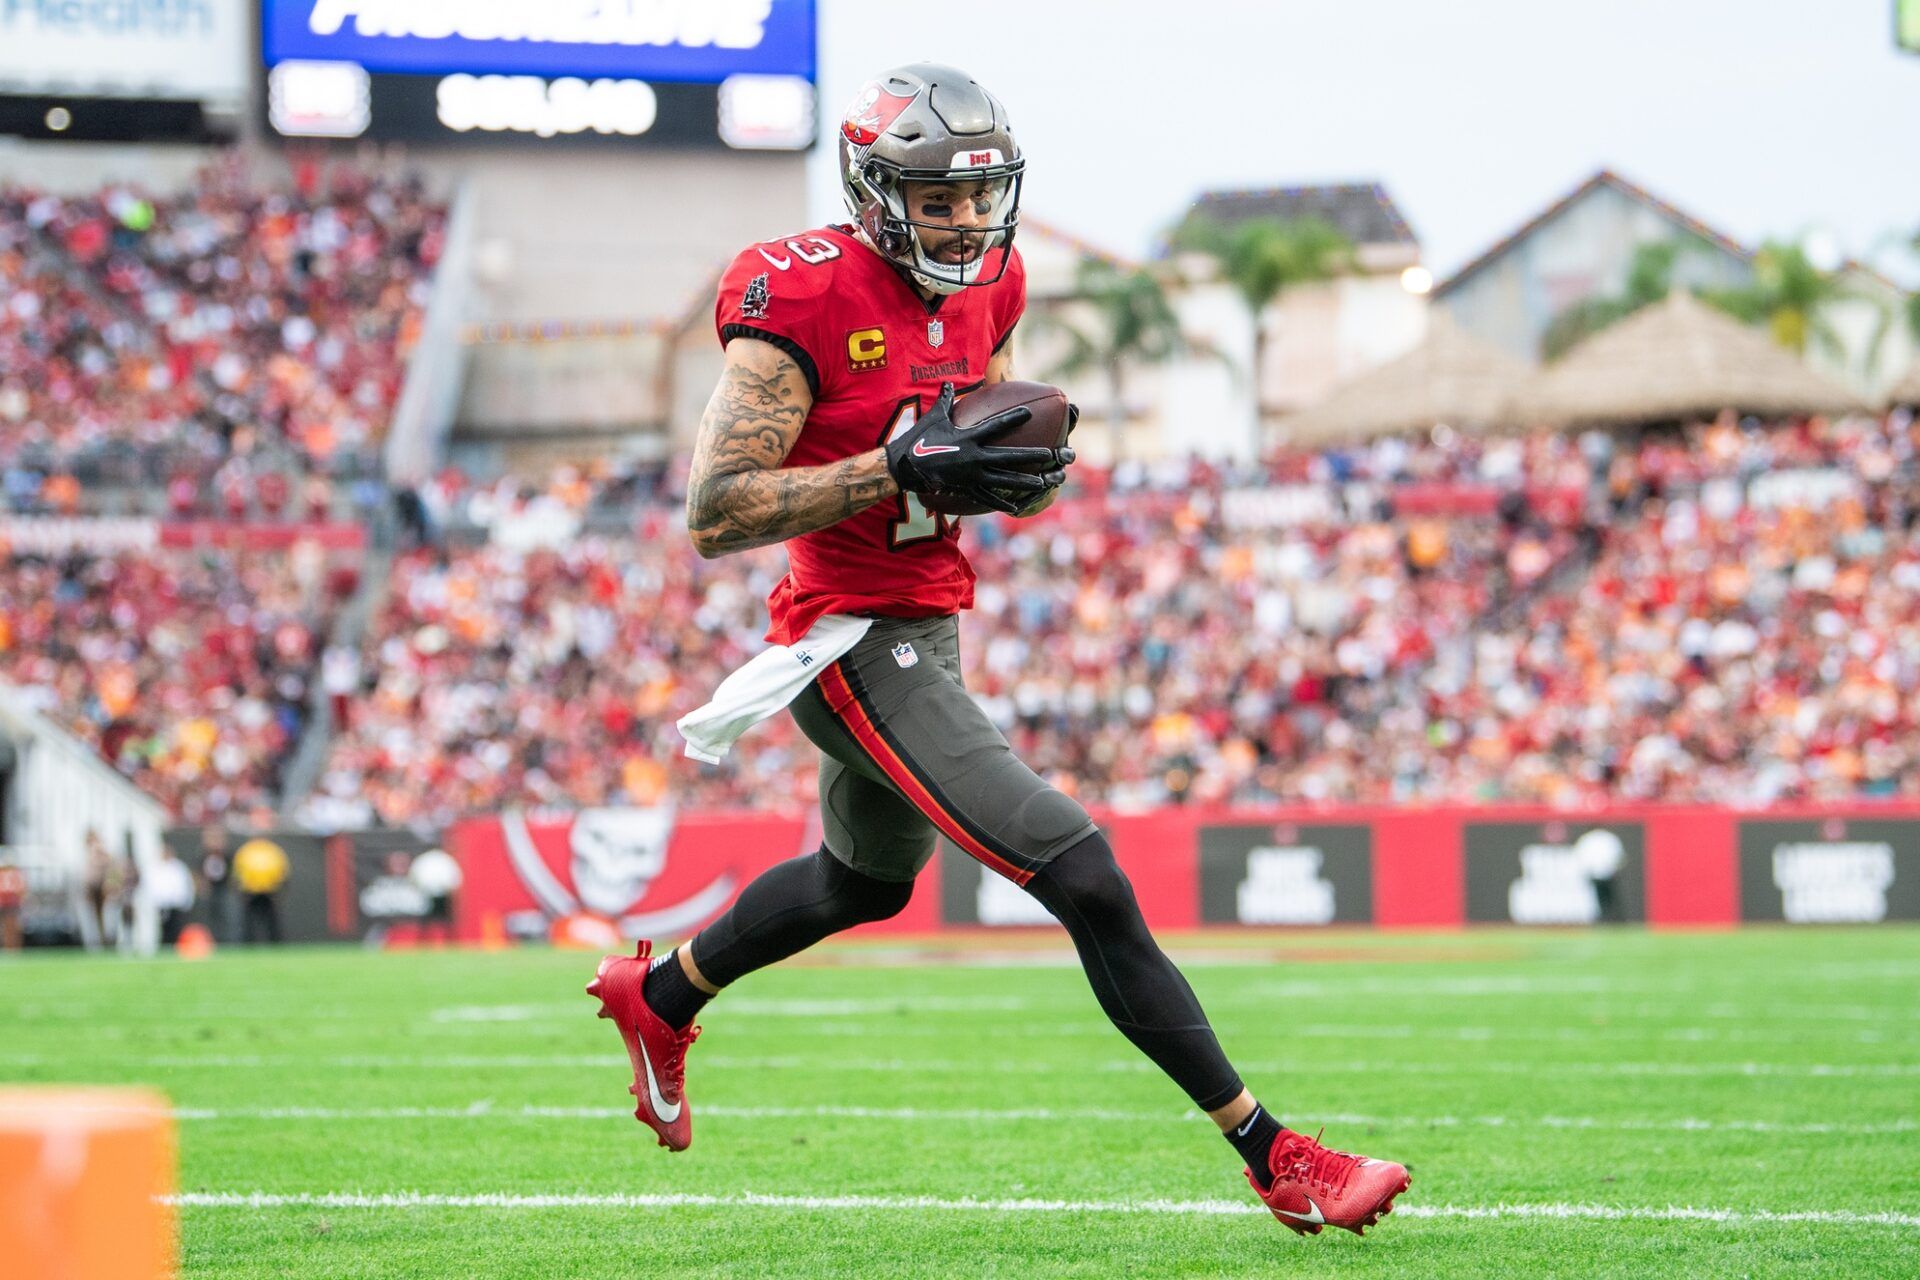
[{"x": 875, "y": 352}]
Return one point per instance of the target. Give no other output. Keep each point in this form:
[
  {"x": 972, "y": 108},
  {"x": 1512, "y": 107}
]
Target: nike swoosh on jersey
[
  {"x": 1313, "y": 1217},
  {"x": 922, "y": 449},
  {"x": 776, "y": 260},
  {"x": 665, "y": 1112}
]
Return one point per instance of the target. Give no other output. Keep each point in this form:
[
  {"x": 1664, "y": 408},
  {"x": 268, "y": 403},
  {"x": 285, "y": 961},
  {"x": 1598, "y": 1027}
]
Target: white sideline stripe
[
  {"x": 929, "y": 1066},
  {"x": 1223, "y": 1208},
  {"x": 1550, "y": 1068},
  {"x": 487, "y": 1111},
  {"x": 858, "y": 1012}
]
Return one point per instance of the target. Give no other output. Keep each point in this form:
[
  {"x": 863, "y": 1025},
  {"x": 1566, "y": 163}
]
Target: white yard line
[
  {"x": 1466, "y": 1065},
  {"x": 486, "y": 1110},
  {"x": 890, "y": 1012},
  {"x": 1233, "y": 1208}
]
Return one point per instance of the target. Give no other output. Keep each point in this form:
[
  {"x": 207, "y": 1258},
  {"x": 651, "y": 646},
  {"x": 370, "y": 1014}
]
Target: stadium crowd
[
  {"x": 1723, "y": 614},
  {"x": 237, "y": 348},
  {"x": 188, "y": 670}
]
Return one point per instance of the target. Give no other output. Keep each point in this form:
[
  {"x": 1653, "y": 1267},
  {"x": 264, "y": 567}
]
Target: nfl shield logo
[
  {"x": 936, "y": 332},
  {"x": 904, "y": 655}
]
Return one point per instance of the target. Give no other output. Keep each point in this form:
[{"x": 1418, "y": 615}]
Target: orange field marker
[
  {"x": 196, "y": 942},
  {"x": 81, "y": 1176}
]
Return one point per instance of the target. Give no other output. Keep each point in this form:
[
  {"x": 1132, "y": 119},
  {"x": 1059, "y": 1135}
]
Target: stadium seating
[
  {"x": 224, "y": 351},
  {"x": 1658, "y": 619},
  {"x": 189, "y": 670}
]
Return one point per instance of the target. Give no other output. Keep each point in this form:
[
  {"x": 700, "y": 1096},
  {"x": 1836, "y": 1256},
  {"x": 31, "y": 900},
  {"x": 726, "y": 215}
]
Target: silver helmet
[{"x": 929, "y": 123}]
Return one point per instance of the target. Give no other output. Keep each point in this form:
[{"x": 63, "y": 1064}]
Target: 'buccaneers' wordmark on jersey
[{"x": 874, "y": 352}]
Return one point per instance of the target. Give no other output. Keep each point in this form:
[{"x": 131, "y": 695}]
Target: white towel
[{"x": 767, "y": 682}]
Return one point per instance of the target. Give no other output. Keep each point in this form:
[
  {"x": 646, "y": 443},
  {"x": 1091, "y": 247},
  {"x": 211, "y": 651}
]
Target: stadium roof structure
[
  {"x": 1451, "y": 377},
  {"x": 1675, "y": 360},
  {"x": 1363, "y": 211},
  {"x": 1603, "y": 178}
]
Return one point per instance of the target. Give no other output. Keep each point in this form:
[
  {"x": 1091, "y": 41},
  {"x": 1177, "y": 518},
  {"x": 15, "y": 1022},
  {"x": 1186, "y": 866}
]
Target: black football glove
[
  {"x": 1025, "y": 504},
  {"x": 935, "y": 456}
]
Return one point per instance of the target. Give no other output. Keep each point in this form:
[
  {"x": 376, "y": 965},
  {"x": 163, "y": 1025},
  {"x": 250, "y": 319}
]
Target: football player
[{"x": 845, "y": 347}]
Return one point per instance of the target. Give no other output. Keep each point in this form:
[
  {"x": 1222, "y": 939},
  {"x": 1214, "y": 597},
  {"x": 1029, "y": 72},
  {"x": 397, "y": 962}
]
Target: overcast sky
[{"x": 1760, "y": 117}]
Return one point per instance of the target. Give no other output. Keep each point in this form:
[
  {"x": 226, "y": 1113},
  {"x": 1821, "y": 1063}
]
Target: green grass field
[{"x": 1571, "y": 1104}]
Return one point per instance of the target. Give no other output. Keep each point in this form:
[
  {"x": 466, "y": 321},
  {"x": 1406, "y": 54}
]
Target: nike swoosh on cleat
[
  {"x": 665, "y": 1112},
  {"x": 1315, "y": 1217}
]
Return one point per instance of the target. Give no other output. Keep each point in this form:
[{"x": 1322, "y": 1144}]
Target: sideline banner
[
  {"x": 1830, "y": 870},
  {"x": 654, "y": 873},
  {"x": 1555, "y": 872},
  {"x": 1286, "y": 874},
  {"x": 648, "y": 873}
]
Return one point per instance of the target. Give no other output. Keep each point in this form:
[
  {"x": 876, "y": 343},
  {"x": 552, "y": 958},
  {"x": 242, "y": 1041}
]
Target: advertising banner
[
  {"x": 628, "y": 873},
  {"x": 1283, "y": 874},
  {"x": 1833, "y": 870},
  {"x": 1555, "y": 872},
  {"x": 653, "y": 873},
  {"x": 189, "y": 50}
]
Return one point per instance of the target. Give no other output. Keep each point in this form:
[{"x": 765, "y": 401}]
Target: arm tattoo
[
  {"x": 738, "y": 496},
  {"x": 1000, "y": 367}
]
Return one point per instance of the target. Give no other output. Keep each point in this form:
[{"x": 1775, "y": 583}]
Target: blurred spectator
[
  {"x": 13, "y": 898},
  {"x": 340, "y": 678},
  {"x": 170, "y": 891},
  {"x": 123, "y": 901},
  {"x": 260, "y": 866},
  {"x": 437, "y": 876},
  {"x": 96, "y": 880},
  {"x": 216, "y": 872}
]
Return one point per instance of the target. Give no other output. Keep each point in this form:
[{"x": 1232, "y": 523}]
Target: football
[{"x": 1046, "y": 429}]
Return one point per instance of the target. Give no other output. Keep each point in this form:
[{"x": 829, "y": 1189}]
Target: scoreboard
[{"x": 686, "y": 73}]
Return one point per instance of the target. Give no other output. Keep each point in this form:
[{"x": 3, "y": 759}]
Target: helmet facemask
[
  {"x": 893, "y": 229},
  {"x": 927, "y": 123}
]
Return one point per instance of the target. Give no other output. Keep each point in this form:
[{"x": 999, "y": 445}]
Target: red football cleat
[
  {"x": 1314, "y": 1186},
  {"x": 659, "y": 1053}
]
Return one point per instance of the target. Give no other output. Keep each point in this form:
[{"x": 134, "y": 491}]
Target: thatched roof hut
[
  {"x": 1676, "y": 360},
  {"x": 1450, "y": 377}
]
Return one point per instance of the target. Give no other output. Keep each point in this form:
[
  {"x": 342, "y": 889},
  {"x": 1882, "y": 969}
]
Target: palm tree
[
  {"x": 1261, "y": 258},
  {"x": 1133, "y": 323},
  {"x": 1787, "y": 295}
]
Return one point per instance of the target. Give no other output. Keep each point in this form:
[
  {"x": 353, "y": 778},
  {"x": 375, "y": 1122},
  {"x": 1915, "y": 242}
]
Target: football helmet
[{"x": 929, "y": 123}]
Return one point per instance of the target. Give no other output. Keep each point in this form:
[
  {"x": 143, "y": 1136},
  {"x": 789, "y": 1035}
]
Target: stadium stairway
[{"x": 350, "y": 628}]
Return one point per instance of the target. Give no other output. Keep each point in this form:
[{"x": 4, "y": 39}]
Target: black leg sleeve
[
  {"x": 1141, "y": 991},
  {"x": 787, "y": 909}
]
